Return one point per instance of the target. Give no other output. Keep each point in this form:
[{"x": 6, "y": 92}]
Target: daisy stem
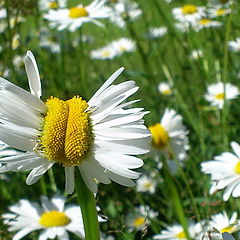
[
  {"x": 87, "y": 204},
  {"x": 43, "y": 186}
]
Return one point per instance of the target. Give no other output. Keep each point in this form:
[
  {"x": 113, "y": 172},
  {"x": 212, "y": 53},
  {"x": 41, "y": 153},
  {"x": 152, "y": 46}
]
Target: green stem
[
  {"x": 43, "y": 186},
  {"x": 87, "y": 204}
]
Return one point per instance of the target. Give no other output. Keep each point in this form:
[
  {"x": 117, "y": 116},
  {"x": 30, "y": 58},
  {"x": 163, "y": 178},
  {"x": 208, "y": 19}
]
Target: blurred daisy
[
  {"x": 218, "y": 11},
  {"x": 206, "y": 23},
  {"x": 176, "y": 232},
  {"x": 123, "y": 11},
  {"x": 123, "y": 45},
  {"x": 18, "y": 61},
  {"x": 225, "y": 3},
  {"x": 196, "y": 54},
  {"x": 183, "y": 27},
  {"x": 107, "y": 52},
  {"x": 146, "y": 184},
  {"x": 106, "y": 237},
  {"x": 189, "y": 13},
  {"x": 165, "y": 88},
  {"x": 234, "y": 46},
  {"x": 3, "y": 13},
  {"x": 15, "y": 41},
  {"x": 45, "y": 5},
  {"x": 170, "y": 136},
  {"x": 157, "y": 32},
  {"x": 215, "y": 93},
  {"x": 225, "y": 172},
  {"x": 74, "y": 133},
  {"x": 74, "y": 17},
  {"x": 52, "y": 217}
]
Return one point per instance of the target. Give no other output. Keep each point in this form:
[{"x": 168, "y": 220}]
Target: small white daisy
[
  {"x": 15, "y": 41},
  {"x": 156, "y": 32},
  {"x": 225, "y": 172},
  {"x": 196, "y": 54},
  {"x": 218, "y": 11},
  {"x": 123, "y": 45},
  {"x": 74, "y": 133},
  {"x": 205, "y": 23},
  {"x": 3, "y": 13},
  {"x": 123, "y": 11},
  {"x": 234, "y": 45},
  {"x": 176, "y": 232},
  {"x": 165, "y": 88},
  {"x": 169, "y": 136},
  {"x": 215, "y": 93},
  {"x": 223, "y": 3},
  {"x": 146, "y": 184},
  {"x": 107, "y": 52},
  {"x": 74, "y": 17},
  {"x": 189, "y": 13},
  {"x": 53, "y": 217},
  {"x": 45, "y": 5}
]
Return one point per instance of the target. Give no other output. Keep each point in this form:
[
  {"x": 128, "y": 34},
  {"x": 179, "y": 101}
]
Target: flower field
[{"x": 119, "y": 119}]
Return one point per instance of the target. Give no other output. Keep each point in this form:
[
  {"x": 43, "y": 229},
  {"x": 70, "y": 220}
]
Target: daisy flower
[
  {"x": 146, "y": 184},
  {"x": 74, "y": 17},
  {"x": 157, "y": 32},
  {"x": 169, "y": 136},
  {"x": 165, "y": 88},
  {"x": 234, "y": 46},
  {"x": 74, "y": 133},
  {"x": 3, "y": 13},
  {"x": 53, "y": 217},
  {"x": 124, "y": 10},
  {"x": 218, "y": 11},
  {"x": 107, "y": 52},
  {"x": 225, "y": 172},
  {"x": 205, "y": 23},
  {"x": 196, "y": 54},
  {"x": 123, "y": 45},
  {"x": 215, "y": 93},
  {"x": 188, "y": 13},
  {"x": 46, "y": 5},
  {"x": 224, "y": 3},
  {"x": 176, "y": 232}
]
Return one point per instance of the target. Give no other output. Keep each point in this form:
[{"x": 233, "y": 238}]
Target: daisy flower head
[
  {"x": 216, "y": 94},
  {"x": 146, "y": 184},
  {"x": 218, "y": 11},
  {"x": 123, "y": 45},
  {"x": 157, "y": 32},
  {"x": 45, "y": 5},
  {"x": 53, "y": 217},
  {"x": 165, "y": 88},
  {"x": 74, "y": 133},
  {"x": 169, "y": 137},
  {"x": 3, "y": 13},
  {"x": 188, "y": 13},
  {"x": 176, "y": 232},
  {"x": 196, "y": 54},
  {"x": 205, "y": 23},
  {"x": 123, "y": 11},
  {"x": 74, "y": 17},
  {"x": 225, "y": 172},
  {"x": 104, "y": 53},
  {"x": 234, "y": 45}
]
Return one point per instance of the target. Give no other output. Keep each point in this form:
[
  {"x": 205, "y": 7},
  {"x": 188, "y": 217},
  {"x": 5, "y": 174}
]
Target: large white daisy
[
  {"x": 225, "y": 172},
  {"x": 99, "y": 137},
  {"x": 52, "y": 217},
  {"x": 74, "y": 17}
]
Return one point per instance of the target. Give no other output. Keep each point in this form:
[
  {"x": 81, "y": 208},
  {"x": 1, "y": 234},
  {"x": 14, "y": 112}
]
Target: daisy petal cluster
[
  {"x": 45, "y": 5},
  {"x": 74, "y": 133},
  {"x": 216, "y": 94},
  {"x": 74, "y": 17},
  {"x": 146, "y": 184},
  {"x": 165, "y": 88},
  {"x": 205, "y": 23},
  {"x": 156, "y": 32},
  {"x": 234, "y": 45},
  {"x": 218, "y": 11},
  {"x": 225, "y": 172}
]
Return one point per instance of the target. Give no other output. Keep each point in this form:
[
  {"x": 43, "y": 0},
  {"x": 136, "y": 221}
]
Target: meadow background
[{"x": 72, "y": 71}]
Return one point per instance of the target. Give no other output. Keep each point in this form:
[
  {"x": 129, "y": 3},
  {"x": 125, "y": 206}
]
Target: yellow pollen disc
[
  {"x": 204, "y": 21},
  {"x": 77, "y": 12},
  {"x": 181, "y": 235},
  {"x": 122, "y": 49},
  {"x": 53, "y": 5},
  {"x": 189, "y": 9},
  {"x": 237, "y": 168},
  {"x": 166, "y": 92},
  {"x": 54, "y": 219},
  {"x": 147, "y": 185},
  {"x": 220, "y": 12},
  {"x": 66, "y": 133},
  {"x": 219, "y": 96},
  {"x": 139, "y": 221},
  {"x": 228, "y": 229},
  {"x": 160, "y": 136},
  {"x": 105, "y": 53}
]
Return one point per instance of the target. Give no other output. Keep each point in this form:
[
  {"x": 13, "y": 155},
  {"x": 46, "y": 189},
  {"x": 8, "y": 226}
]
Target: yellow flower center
[
  {"x": 181, "y": 235},
  {"x": 138, "y": 222},
  {"x": 53, "y": 5},
  {"x": 189, "y": 9},
  {"x": 237, "y": 168},
  {"x": 220, "y": 12},
  {"x": 160, "y": 136},
  {"x": 77, "y": 12},
  {"x": 147, "y": 185},
  {"x": 219, "y": 96},
  {"x": 66, "y": 133},
  {"x": 105, "y": 53},
  {"x": 166, "y": 92},
  {"x": 54, "y": 219},
  {"x": 204, "y": 21},
  {"x": 228, "y": 229}
]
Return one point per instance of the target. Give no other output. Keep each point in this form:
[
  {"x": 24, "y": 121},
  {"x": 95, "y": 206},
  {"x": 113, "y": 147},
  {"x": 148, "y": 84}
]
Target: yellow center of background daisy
[
  {"x": 189, "y": 9},
  {"x": 204, "y": 21},
  {"x": 139, "y": 221},
  {"x": 228, "y": 229},
  {"x": 160, "y": 136},
  {"x": 53, "y": 5},
  {"x": 106, "y": 53},
  {"x": 66, "y": 133},
  {"x": 220, "y": 12},
  {"x": 77, "y": 12},
  {"x": 166, "y": 92},
  {"x": 54, "y": 219},
  {"x": 219, "y": 96},
  {"x": 147, "y": 185},
  {"x": 181, "y": 235},
  {"x": 237, "y": 168}
]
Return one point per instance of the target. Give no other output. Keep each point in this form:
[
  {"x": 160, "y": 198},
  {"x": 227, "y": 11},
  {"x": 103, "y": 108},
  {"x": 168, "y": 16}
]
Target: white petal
[
  {"x": 120, "y": 180},
  {"x": 90, "y": 183},
  {"x": 22, "y": 233}
]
